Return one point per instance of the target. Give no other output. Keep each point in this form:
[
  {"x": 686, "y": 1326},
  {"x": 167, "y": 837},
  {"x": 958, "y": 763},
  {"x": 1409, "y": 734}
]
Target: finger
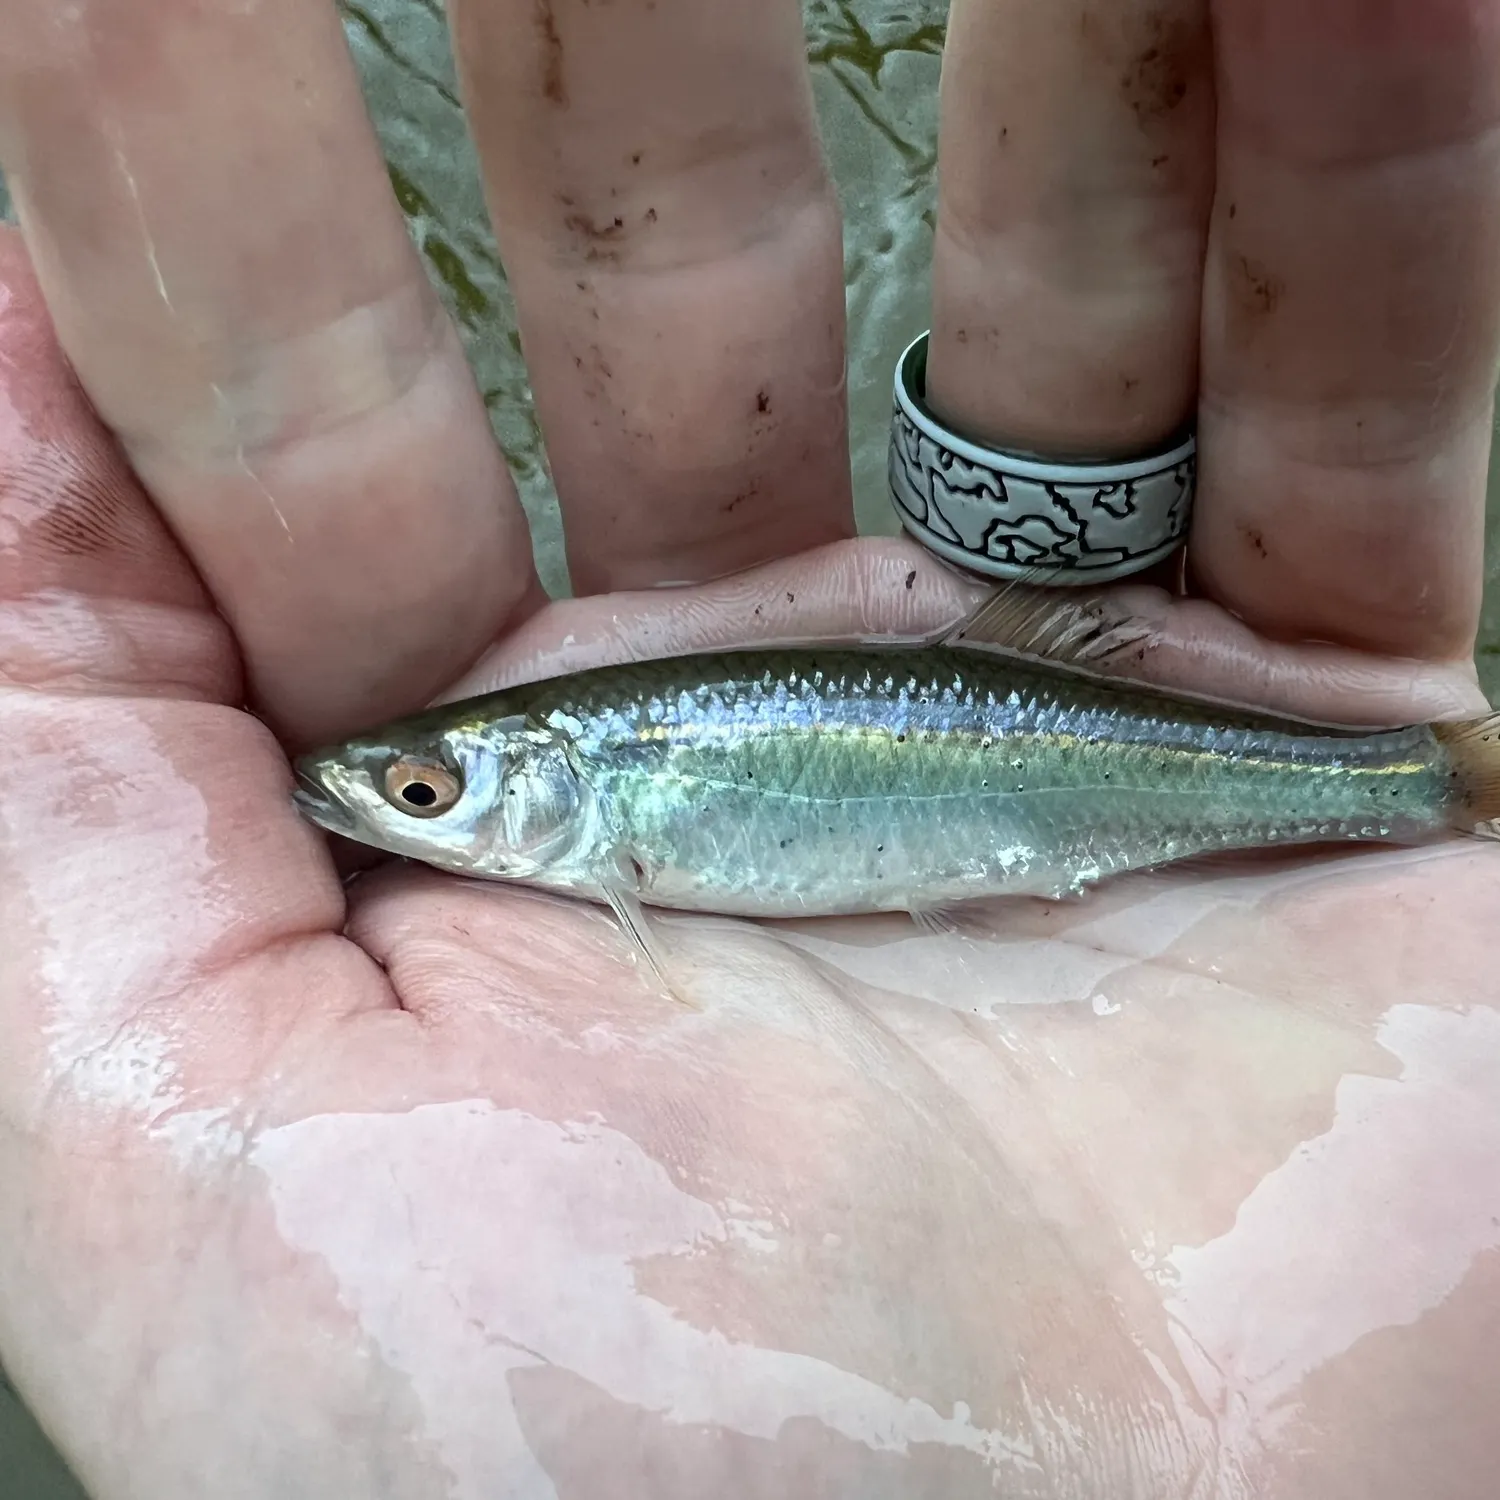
[
  {"x": 1076, "y": 170},
  {"x": 1351, "y": 318},
  {"x": 668, "y": 223},
  {"x": 231, "y": 278}
]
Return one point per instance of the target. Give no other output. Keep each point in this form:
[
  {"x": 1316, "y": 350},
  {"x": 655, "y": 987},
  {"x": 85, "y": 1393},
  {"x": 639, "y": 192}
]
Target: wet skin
[{"x": 420, "y": 1187}]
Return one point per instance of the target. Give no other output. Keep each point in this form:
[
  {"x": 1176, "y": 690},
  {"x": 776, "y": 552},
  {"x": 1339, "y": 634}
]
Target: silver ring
[{"x": 1014, "y": 515}]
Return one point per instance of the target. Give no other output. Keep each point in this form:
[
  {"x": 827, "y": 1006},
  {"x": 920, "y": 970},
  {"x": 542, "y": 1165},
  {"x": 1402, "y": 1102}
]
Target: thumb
[{"x": 148, "y": 849}]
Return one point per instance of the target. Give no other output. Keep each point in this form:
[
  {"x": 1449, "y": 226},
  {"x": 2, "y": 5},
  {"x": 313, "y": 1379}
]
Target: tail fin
[{"x": 1473, "y": 747}]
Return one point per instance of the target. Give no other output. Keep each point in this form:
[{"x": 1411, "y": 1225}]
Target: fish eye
[{"x": 423, "y": 788}]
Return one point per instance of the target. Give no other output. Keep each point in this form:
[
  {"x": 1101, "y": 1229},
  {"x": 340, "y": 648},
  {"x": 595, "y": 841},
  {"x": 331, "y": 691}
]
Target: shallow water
[{"x": 875, "y": 72}]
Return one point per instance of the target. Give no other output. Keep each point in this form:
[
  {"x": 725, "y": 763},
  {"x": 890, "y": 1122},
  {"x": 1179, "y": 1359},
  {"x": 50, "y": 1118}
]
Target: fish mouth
[{"x": 315, "y": 804}]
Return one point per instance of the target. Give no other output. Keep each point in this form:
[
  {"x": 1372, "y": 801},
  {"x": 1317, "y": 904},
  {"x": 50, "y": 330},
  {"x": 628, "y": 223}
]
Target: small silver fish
[{"x": 822, "y": 781}]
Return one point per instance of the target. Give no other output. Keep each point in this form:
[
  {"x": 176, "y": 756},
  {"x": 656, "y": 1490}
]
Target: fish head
[{"x": 494, "y": 796}]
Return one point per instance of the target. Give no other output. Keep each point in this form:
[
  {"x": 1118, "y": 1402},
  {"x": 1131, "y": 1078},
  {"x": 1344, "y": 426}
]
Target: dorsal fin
[
  {"x": 1090, "y": 630},
  {"x": 1068, "y": 627}
]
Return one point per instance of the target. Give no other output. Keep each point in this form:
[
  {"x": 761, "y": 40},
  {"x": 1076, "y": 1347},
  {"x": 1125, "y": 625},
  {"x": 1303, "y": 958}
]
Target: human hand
[{"x": 434, "y": 1193}]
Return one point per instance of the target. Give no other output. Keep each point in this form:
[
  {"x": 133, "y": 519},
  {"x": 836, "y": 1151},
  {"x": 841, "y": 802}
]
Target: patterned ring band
[{"x": 1019, "y": 516}]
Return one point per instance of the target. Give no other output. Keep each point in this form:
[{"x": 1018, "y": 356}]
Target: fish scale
[
  {"x": 756, "y": 782},
  {"x": 823, "y": 781}
]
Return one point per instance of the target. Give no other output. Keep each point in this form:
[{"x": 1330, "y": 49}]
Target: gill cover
[{"x": 541, "y": 797}]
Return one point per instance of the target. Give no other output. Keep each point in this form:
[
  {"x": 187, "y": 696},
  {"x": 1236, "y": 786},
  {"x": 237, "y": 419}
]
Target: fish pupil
[{"x": 418, "y": 793}]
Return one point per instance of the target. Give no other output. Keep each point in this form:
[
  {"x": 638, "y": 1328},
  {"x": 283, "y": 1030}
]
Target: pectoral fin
[{"x": 621, "y": 891}]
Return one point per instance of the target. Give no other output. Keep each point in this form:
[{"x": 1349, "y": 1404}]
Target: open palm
[{"x": 420, "y": 1187}]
